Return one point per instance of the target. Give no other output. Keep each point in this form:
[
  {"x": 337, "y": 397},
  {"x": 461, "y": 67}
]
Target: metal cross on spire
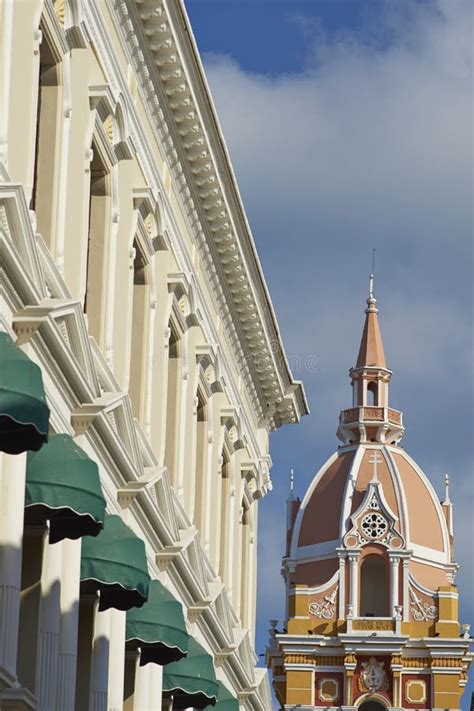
[{"x": 375, "y": 459}]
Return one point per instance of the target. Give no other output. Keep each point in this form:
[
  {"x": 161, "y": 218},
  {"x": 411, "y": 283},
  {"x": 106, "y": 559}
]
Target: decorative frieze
[
  {"x": 372, "y": 624},
  {"x": 416, "y": 662},
  {"x": 329, "y": 661},
  {"x": 447, "y": 662},
  {"x": 299, "y": 659}
]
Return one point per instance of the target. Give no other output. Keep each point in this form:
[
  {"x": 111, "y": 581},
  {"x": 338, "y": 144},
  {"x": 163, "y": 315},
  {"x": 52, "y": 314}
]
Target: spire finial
[
  {"x": 371, "y": 301},
  {"x": 372, "y": 276},
  {"x": 447, "y": 500},
  {"x": 291, "y": 489}
]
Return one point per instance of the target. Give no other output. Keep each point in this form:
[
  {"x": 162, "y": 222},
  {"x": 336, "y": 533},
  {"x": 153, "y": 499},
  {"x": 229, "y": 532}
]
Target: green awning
[
  {"x": 114, "y": 563},
  {"x": 192, "y": 681},
  {"x": 158, "y": 627},
  {"x": 24, "y": 413},
  {"x": 225, "y": 700},
  {"x": 63, "y": 485}
]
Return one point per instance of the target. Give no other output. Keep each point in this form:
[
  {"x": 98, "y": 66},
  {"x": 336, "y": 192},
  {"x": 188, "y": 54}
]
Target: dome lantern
[{"x": 370, "y": 419}]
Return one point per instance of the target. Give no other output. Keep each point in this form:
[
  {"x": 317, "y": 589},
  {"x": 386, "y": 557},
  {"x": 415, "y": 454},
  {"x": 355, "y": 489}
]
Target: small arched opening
[
  {"x": 374, "y": 587},
  {"x": 372, "y": 393},
  {"x": 372, "y": 706}
]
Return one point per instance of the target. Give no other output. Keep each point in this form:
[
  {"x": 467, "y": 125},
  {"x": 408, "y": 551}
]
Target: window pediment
[{"x": 374, "y": 522}]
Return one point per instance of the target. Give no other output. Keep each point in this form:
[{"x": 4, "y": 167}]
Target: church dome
[
  {"x": 369, "y": 572},
  {"x": 370, "y": 492},
  {"x": 338, "y": 490}
]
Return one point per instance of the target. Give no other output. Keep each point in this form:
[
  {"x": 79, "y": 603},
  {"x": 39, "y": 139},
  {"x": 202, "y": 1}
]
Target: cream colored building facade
[{"x": 130, "y": 276}]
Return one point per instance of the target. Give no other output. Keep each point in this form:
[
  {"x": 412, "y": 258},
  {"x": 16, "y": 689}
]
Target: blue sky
[{"x": 349, "y": 124}]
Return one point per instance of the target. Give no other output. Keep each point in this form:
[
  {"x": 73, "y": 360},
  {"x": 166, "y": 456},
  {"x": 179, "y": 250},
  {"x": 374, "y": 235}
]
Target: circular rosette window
[{"x": 374, "y": 525}]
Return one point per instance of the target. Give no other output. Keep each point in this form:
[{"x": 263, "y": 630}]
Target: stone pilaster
[
  {"x": 394, "y": 582},
  {"x": 350, "y": 663}
]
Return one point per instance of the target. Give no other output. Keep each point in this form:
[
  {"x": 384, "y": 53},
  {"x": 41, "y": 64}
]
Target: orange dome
[{"x": 338, "y": 490}]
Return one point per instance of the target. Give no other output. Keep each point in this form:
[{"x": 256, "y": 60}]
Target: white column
[
  {"x": 67, "y": 657},
  {"x": 111, "y": 271},
  {"x": 206, "y": 513},
  {"x": 342, "y": 588},
  {"x": 116, "y": 660},
  {"x": 394, "y": 577},
  {"x": 100, "y": 661},
  {"x": 63, "y": 167},
  {"x": 141, "y": 697},
  {"x": 49, "y": 626},
  {"x": 230, "y": 532},
  {"x": 12, "y": 502},
  {"x": 406, "y": 600},
  {"x": 364, "y": 391},
  {"x": 156, "y": 687},
  {"x": 6, "y": 38},
  {"x": 354, "y": 582}
]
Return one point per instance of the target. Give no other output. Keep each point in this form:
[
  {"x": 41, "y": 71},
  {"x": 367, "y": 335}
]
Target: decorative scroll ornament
[
  {"x": 422, "y": 611},
  {"x": 325, "y": 608},
  {"x": 373, "y": 677}
]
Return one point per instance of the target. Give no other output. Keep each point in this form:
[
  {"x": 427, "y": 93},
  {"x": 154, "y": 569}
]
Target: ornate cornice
[{"x": 173, "y": 82}]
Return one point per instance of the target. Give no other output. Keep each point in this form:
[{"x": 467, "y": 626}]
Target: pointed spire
[{"x": 371, "y": 350}]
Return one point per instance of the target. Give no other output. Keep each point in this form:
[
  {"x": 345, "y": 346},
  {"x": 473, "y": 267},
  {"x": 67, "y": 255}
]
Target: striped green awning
[
  {"x": 24, "y": 413},
  {"x": 63, "y": 486},
  {"x": 192, "y": 681},
  {"x": 158, "y": 627},
  {"x": 114, "y": 563}
]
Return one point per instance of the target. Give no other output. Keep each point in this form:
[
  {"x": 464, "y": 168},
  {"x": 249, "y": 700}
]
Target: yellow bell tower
[{"x": 372, "y": 605}]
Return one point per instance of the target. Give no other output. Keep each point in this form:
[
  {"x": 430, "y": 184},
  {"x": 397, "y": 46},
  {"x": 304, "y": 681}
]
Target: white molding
[
  {"x": 294, "y": 554},
  {"x": 348, "y": 491},
  {"x": 180, "y": 69}
]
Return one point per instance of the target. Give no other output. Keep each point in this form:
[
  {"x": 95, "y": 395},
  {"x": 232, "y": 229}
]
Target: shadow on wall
[{"x": 51, "y": 651}]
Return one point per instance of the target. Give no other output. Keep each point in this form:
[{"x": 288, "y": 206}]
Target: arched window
[
  {"x": 372, "y": 706},
  {"x": 373, "y": 587},
  {"x": 372, "y": 393}
]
